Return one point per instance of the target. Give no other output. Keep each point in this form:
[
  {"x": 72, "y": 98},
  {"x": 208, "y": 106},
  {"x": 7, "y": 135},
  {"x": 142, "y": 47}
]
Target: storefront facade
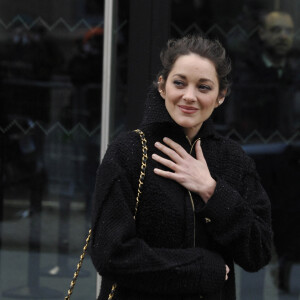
[{"x": 75, "y": 74}]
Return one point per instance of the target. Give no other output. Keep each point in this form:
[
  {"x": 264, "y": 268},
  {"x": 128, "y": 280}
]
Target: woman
[{"x": 202, "y": 208}]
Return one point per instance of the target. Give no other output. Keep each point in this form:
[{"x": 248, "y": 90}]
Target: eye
[
  {"x": 178, "y": 83},
  {"x": 276, "y": 29},
  {"x": 204, "y": 87}
]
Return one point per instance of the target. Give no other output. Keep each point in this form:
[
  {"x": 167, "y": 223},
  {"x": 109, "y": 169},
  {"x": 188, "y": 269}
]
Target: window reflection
[
  {"x": 50, "y": 90},
  {"x": 266, "y": 81},
  {"x": 261, "y": 113},
  {"x": 50, "y": 130}
]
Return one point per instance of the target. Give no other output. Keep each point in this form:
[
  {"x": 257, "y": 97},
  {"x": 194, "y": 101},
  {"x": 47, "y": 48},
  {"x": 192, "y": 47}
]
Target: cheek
[
  {"x": 171, "y": 97},
  {"x": 169, "y": 104},
  {"x": 209, "y": 102}
]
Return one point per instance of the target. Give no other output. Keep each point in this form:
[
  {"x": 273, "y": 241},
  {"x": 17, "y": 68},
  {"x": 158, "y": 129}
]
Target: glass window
[
  {"x": 50, "y": 91},
  {"x": 50, "y": 124},
  {"x": 262, "y": 113}
]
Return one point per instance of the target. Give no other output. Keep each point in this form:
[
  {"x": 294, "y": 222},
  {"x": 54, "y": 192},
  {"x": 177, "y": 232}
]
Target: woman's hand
[
  {"x": 227, "y": 272},
  {"x": 190, "y": 172}
]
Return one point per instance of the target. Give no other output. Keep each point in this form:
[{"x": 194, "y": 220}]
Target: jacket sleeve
[
  {"x": 120, "y": 255},
  {"x": 241, "y": 221}
]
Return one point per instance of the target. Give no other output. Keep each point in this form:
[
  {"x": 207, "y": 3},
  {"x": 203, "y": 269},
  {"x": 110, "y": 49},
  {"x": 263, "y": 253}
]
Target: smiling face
[{"x": 191, "y": 92}]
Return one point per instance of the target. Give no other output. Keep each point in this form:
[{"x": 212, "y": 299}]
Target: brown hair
[{"x": 204, "y": 47}]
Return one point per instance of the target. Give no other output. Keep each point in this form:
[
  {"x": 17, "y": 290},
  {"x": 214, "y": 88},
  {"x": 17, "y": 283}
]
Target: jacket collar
[{"x": 156, "y": 113}]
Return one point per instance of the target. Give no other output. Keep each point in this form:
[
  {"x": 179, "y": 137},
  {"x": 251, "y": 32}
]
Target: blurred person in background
[
  {"x": 265, "y": 91},
  {"x": 265, "y": 81}
]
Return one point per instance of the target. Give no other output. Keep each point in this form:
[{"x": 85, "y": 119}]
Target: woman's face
[{"x": 191, "y": 92}]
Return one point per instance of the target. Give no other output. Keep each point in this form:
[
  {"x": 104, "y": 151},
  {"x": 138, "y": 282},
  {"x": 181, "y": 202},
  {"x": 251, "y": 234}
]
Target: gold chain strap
[
  {"x": 141, "y": 181},
  {"x": 72, "y": 284},
  {"x": 139, "y": 192},
  {"x": 143, "y": 169}
]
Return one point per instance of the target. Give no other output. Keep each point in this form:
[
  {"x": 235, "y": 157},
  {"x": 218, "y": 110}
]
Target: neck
[{"x": 191, "y": 132}]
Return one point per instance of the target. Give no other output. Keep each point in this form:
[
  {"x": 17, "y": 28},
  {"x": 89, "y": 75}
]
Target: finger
[
  {"x": 165, "y": 174},
  {"x": 176, "y": 147},
  {"x": 227, "y": 270},
  {"x": 168, "y": 151},
  {"x": 199, "y": 152},
  {"x": 166, "y": 162}
]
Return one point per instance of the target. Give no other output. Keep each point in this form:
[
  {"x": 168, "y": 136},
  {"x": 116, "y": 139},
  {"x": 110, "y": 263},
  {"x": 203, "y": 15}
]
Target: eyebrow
[{"x": 200, "y": 80}]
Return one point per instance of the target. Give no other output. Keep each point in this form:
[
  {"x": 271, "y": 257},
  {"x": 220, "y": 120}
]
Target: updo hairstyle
[{"x": 210, "y": 49}]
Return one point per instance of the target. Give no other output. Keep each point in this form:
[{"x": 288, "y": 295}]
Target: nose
[
  {"x": 190, "y": 95},
  {"x": 286, "y": 33},
  {"x": 283, "y": 35}
]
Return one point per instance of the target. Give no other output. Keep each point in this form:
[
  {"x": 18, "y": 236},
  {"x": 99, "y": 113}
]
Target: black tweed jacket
[{"x": 178, "y": 246}]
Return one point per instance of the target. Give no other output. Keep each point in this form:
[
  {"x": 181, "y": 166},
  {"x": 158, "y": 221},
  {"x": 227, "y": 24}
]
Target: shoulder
[
  {"x": 125, "y": 140},
  {"x": 234, "y": 155},
  {"x": 123, "y": 154},
  {"x": 122, "y": 146},
  {"x": 232, "y": 163},
  {"x": 228, "y": 144}
]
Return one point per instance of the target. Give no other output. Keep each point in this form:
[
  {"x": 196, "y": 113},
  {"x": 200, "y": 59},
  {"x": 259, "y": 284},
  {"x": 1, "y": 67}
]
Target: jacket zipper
[
  {"x": 193, "y": 206},
  {"x": 190, "y": 194},
  {"x": 192, "y": 200}
]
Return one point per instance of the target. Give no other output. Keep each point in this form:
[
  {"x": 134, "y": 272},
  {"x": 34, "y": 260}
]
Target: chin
[
  {"x": 186, "y": 124},
  {"x": 189, "y": 125}
]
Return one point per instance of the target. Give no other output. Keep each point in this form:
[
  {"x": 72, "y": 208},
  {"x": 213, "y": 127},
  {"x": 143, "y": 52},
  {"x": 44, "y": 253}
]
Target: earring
[
  {"x": 160, "y": 91},
  {"x": 220, "y": 102}
]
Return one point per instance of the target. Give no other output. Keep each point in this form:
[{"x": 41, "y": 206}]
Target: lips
[
  {"x": 282, "y": 43},
  {"x": 187, "y": 109}
]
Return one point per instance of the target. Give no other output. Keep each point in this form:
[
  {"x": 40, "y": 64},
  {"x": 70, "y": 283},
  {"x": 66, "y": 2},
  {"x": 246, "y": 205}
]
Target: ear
[
  {"x": 221, "y": 98},
  {"x": 161, "y": 88}
]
